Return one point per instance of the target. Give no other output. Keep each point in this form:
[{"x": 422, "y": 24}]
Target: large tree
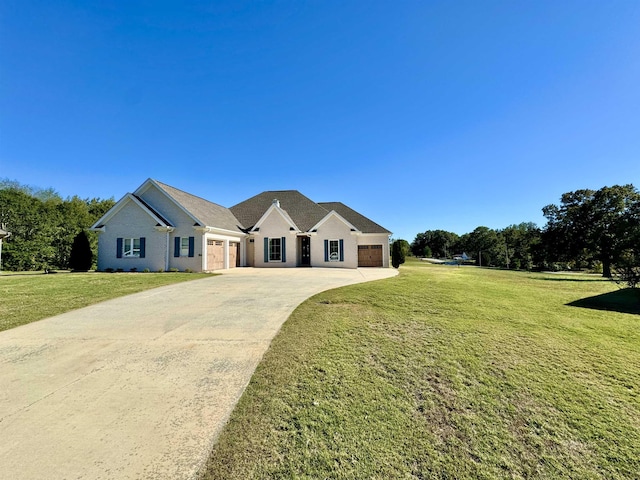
[
  {"x": 590, "y": 223},
  {"x": 520, "y": 242},
  {"x": 43, "y": 225},
  {"x": 483, "y": 244},
  {"x": 440, "y": 243}
]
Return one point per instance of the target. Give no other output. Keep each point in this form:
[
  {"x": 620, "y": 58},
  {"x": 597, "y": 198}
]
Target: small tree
[
  {"x": 398, "y": 253},
  {"x": 627, "y": 269},
  {"x": 81, "y": 256}
]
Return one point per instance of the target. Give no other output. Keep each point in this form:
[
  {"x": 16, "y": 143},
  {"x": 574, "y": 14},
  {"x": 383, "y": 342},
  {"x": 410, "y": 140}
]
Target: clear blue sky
[{"x": 421, "y": 115}]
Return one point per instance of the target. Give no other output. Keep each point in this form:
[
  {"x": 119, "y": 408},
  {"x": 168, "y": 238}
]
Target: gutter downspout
[{"x": 166, "y": 254}]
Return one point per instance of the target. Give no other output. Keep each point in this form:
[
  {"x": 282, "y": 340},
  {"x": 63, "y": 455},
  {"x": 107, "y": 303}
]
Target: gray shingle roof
[
  {"x": 153, "y": 210},
  {"x": 304, "y": 212},
  {"x": 358, "y": 220},
  {"x": 208, "y": 213}
]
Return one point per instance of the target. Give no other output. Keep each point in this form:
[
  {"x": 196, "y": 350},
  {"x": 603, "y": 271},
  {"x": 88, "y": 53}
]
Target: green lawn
[
  {"x": 445, "y": 372},
  {"x": 25, "y": 298}
]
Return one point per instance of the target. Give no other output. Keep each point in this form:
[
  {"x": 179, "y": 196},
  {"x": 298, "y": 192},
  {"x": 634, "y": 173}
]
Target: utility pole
[{"x": 506, "y": 254}]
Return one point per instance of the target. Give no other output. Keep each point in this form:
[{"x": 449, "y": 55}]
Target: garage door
[
  {"x": 215, "y": 255},
  {"x": 234, "y": 258},
  {"x": 369, "y": 255}
]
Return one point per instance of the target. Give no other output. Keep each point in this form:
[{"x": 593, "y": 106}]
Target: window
[
  {"x": 131, "y": 247},
  {"x": 275, "y": 251},
  {"x": 334, "y": 250},
  {"x": 184, "y": 246}
]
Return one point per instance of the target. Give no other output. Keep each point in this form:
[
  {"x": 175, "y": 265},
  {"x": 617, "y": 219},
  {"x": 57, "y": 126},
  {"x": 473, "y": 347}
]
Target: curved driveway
[{"x": 140, "y": 386}]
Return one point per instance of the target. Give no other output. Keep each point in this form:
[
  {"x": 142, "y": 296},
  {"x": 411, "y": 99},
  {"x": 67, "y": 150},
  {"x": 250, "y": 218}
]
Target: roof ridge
[
  {"x": 155, "y": 212},
  {"x": 187, "y": 193}
]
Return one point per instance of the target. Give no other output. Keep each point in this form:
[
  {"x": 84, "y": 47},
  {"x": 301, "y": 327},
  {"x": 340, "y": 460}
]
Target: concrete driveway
[{"x": 140, "y": 386}]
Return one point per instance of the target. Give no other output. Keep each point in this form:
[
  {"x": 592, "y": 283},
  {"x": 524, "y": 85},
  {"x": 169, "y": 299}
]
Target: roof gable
[
  {"x": 304, "y": 212},
  {"x": 362, "y": 223},
  {"x": 275, "y": 208},
  {"x": 203, "y": 212},
  {"x": 334, "y": 214},
  {"x": 131, "y": 198}
]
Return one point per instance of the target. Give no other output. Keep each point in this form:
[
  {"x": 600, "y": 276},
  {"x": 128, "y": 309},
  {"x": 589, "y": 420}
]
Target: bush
[
  {"x": 173, "y": 270},
  {"x": 627, "y": 269},
  {"x": 398, "y": 253},
  {"x": 81, "y": 256},
  {"x": 146, "y": 270},
  {"x": 119, "y": 270},
  {"x": 109, "y": 270},
  {"x": 134, "y": 269},
  {"x": 188, "y": 270}
]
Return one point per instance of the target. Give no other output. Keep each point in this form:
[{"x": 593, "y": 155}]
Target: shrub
[
  {"x": 119, "y": 270},
  {"x": 109, "y": 270},
  {"x": 81, "y": 256},
  {"x": 188, "y": 270},
  {"x": 160, "y": 270},
  {"x": 134, "y": 269},
  {"x": 173, "y": 270},
  {"x": 627, "y": 269},
  {"x": 146, "y": 270},
  {"x": 397, "y": 253}
]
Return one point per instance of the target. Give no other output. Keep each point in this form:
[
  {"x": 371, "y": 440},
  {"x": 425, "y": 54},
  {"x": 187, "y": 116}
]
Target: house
[{"x": 159, "y": 227}]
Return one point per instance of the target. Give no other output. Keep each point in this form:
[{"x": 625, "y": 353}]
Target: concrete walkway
[{"x": 139, "y": 387}]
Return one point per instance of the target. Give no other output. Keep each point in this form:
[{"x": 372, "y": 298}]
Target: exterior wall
[
  {"x": 132, "y": 222},
  {"x": 334, "y": 229},
  {"x": 194, "y": 263},
  {"x": 275, "y": 226},
  {"x": 250, "y": 246},
  {"x": 183, "y": 228},
  {"x": 376, "y": 239}
]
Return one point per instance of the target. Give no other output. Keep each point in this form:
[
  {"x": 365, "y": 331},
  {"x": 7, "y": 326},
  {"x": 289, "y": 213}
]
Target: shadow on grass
[
  {"x": 623, "y": 301},
  {"x": 599, "y": 279}
]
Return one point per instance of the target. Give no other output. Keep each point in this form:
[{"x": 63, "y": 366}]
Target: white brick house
[{"x": 159, "y": 227}]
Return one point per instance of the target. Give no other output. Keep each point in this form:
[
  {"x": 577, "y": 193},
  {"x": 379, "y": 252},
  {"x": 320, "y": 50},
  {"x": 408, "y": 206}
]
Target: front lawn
[
  {"x": 25, "y": 298},
  {"x": 445, "y": 372}
]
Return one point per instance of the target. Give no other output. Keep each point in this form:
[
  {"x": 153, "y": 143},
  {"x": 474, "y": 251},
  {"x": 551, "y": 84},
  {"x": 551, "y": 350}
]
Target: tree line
[
  {"x": 598, "y": 230},
  {"x": 44, "y": 226}
]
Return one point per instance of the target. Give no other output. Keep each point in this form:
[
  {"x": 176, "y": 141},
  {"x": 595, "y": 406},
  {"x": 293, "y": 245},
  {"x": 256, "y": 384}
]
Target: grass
[
  {"x": 444, "y": 372},
  {"x": 29, "y": 297}
]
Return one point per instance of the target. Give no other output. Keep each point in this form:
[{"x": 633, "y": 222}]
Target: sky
[{"x": 420, "y": 115}]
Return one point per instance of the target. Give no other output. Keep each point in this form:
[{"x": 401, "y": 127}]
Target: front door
[{"x": 305, "y": 251}]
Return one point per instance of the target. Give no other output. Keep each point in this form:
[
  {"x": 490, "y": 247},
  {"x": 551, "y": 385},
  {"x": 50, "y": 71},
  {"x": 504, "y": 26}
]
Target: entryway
[{"x": 304, "y": 247}]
